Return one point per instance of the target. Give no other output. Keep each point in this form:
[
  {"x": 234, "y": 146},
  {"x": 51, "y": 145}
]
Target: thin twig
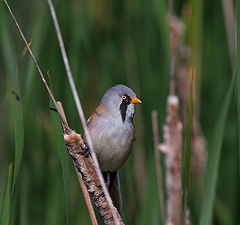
[
  {"x": 80, "y": 110},
  {"x": 157, "y": 163}
]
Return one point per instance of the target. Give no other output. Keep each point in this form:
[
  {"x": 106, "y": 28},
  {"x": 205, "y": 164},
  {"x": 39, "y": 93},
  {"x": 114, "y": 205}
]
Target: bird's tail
[
  {"x": 114, "y": 189},
  {"x": 115, "y": 193}
]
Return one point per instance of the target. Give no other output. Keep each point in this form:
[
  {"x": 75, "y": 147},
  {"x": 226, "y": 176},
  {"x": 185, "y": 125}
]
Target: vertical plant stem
[
  {"x": 228, "y": 12},
  {"x": 187, "y": 149},
  {"x": 172, "y": 147},
  {"x": 214, "y": 154},
  {"x": 17, "y": 114},
  {"x": 194, "y": 36},
  {"x": 6, "y": 207},
  {"x": 158, "y": 166}
]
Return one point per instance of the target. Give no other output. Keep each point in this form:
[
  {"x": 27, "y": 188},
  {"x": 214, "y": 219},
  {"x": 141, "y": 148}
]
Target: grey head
[{"x": 120, "y": 99}]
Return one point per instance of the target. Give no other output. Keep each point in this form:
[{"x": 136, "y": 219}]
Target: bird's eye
[{"x": 124, "y": 97}]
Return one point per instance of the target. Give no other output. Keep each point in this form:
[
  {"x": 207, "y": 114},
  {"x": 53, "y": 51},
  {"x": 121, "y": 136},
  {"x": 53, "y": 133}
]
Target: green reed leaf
[
  {"x": 6, "y": 207},
  {"x": 214, "y": 154}
]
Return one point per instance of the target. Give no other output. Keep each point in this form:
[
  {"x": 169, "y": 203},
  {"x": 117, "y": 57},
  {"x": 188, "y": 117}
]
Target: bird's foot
[
  {"x": 85, "y": 151},
  {"x": 99, "y": 196},
  {"x": 108, "y": 180}
]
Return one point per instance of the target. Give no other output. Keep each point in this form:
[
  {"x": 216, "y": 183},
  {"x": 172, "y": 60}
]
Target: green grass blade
[
  {"x": 213, "y": 160},
  {"x": 63, "y": 156},
  {"x": 19, "y": 136},
  {"x": 17, "y": 113},
  {"x": 238, "y": 73},
  {"x": 6, "y": 42},
  {"x": 6, "y": 207},
  {"x": 161, "y": 17},
  {"x": 38, "y": 36},
  {"x": 24, "y": 198}
]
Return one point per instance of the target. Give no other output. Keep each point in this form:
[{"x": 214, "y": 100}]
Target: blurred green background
[{"x": 109, "y": 42}]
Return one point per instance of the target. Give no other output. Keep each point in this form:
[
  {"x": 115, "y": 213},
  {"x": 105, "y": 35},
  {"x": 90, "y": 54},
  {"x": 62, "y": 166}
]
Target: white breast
[{"x": 112, "y": 141}]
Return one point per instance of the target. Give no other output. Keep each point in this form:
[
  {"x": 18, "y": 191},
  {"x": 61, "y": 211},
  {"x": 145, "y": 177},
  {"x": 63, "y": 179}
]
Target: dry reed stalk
[
  {"x": 75, "y": 144},
  {"x": 176, "y": 28},
  {"x": 172, "y": 147},
  {"x": 172, "y": 143}
]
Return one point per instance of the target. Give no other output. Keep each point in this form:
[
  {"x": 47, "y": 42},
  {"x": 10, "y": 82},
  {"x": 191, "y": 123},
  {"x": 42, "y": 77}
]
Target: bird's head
[{"x": 120, "y": 99}]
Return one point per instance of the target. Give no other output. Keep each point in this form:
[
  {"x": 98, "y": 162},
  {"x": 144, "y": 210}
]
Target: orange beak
[{"x": 136, "y": 100}]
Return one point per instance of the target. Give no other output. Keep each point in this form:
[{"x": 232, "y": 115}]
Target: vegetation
[{"x": 110, "y": 42}]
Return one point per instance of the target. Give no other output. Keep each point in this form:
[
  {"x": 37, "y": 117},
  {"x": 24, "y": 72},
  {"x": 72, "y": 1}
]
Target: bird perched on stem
[{"x": 112, "y": 133}]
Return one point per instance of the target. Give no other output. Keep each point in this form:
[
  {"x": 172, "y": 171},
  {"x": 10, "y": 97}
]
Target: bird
[{"x": 112, "y": 133}]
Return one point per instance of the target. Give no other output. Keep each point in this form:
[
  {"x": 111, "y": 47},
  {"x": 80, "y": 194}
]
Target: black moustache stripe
[{"x": 123, "y": 107}]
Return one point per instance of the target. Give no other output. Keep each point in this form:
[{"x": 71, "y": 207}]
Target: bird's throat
[
  {"x": 124, "y": 106},
  {"x": 123, "y": 110}
]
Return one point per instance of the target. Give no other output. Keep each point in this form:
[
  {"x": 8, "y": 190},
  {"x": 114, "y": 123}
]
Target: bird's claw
[
  {"x": 99, "y": 196},
  {"x": 85, "y": 151},
  {"x": 108, "y": 180}
]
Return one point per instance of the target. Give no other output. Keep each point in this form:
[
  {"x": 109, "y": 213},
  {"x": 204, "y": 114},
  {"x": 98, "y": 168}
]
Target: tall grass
[
  {"x": 214, "y": 154},
  {"x": 6, "y": 203}
]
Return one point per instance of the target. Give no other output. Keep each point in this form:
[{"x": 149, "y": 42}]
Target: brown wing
[{"x": 98, "y": 112}]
